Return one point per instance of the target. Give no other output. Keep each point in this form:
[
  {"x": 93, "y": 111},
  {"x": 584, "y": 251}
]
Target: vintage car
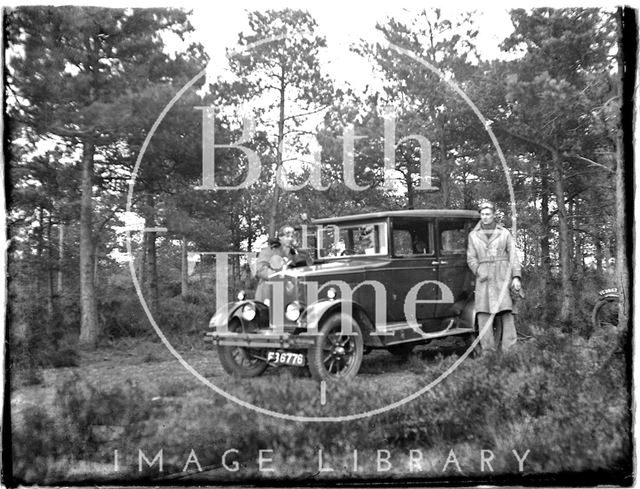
[{"x": 385, "y": 280}]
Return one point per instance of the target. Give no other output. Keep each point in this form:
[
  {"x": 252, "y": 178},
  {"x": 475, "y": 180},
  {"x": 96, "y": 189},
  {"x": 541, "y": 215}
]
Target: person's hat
[
  {"x": 486, "y": 205},
  {"x": 284, "y": 229}
]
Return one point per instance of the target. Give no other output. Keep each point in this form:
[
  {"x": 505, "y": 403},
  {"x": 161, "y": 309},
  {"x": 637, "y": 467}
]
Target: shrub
[
  {"x": 554, "y": 395},
  {"x": 174, "y": 388},
  {"x": 151, "y": 357},
  {"x": 35, "y": 446},
  {"x": 65, "y": 357},
  {"x": 120, "y": 312},
  {"x": 561, "y": 396},
  {"x": 42, "y": 344},
  {"x": 46, "y": 445},
  {"x": 178, "y": 316},
  {"x": 25, "y": 363}
]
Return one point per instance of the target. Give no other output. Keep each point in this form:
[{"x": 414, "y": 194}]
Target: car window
[
  {"x": 453, "y": 236},
  {"x": 412, "y": 237},
  {"x": 402, "y": 242},
  {"x": 353, "y": 240},
  {"x": 306, "y": 240}
]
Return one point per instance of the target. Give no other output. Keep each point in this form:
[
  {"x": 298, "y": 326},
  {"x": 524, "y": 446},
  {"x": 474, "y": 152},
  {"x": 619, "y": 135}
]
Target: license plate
[
  {"x": 285, "y": 358},
  {"x": 613, "y": 290}
]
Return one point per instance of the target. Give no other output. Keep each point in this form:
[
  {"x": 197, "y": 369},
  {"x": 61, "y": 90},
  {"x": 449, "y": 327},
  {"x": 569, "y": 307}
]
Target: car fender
[
  {"x": 317, "y": 312},
  {"x": 223, "y": 315}
]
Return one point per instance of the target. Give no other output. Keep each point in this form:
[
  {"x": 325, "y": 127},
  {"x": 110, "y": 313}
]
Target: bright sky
[{"x": 217, "y": 29}]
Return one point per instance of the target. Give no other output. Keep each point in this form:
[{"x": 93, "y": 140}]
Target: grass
[
  {"x": 563, "y": 397},
  {"x": 174, "y": 388}
]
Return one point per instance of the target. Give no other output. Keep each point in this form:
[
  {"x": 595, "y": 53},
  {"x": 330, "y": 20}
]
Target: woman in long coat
[
  {"x": 282, "y": 246},
  {"x": 493, "y": 259}
]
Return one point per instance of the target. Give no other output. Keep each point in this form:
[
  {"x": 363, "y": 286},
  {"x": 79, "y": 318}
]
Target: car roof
[{"x": 424, "y": 213}]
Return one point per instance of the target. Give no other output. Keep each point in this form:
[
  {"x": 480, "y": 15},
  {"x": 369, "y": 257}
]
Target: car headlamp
[
  {"x": 289, "y": 286},
  {"x": 331, "y": 293},
  {"x": 292, "y": 312},
  {"x": 241, "y": 295},
  {"x": 248, "y": 312},
  {"x": 267, "y": 302}
]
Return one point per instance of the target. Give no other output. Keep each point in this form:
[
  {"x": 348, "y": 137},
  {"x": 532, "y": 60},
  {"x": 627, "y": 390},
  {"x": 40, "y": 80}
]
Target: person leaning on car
[
  {"x": 493, "y": 259},
  {"x": 281, "y": 246}
]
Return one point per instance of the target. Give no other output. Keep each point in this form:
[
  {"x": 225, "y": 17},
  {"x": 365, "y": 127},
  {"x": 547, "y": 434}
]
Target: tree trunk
[
  {"x": 466, "y": 193},
  {"x": 248, "y": 275},
  {"x": 545, "y": 255},
  {"x": 60, "y": 256},
  {"x": 443, "y": 174},
  {"x": 599, "y": 254},
  {"x": 273, "y": 214},
  {"x": 410, "y": 193},
  {"x": 142, "y": 261},
  {"x": 572, "y": 239},
  {"x": 50, "y": 264},
  {"x": 89, "y": 328},
  {"x": 152, "y": 268},
  {"x": 152, "y": 272},
  {"x": 445, "y": 170},
  {"x": 409, "y": 181},
  {"x": 566, "y": 293},
  {"x": 184, "y": 269},
  {"x": 39, "y": 252},
  {"x": 624, "y": 154},
  {"x": 95, "y": 261}
]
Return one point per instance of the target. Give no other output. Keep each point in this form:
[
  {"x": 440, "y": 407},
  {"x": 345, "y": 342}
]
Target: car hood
[{"x": 335, "y": 267}]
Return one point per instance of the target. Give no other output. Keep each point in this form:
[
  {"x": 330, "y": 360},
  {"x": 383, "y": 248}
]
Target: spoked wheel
[
  {"x": 240, "y": 361},
  {"x": 337, "y": 356},
  {"x": 605, "y": 312}
]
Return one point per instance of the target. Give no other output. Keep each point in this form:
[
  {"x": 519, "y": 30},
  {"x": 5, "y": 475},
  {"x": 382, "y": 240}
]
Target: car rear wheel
[
  {"x": 238, "y": 360},
  {"x": 336, "y": 356}
]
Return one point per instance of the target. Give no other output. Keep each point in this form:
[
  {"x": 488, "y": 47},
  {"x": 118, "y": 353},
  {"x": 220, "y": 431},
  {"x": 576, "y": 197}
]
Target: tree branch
[
  {"x": 527, "y": 139},
  {"x": 298, "y": 131},
  {"x": 304, "y": 114},
  {"x": 591, "y": 162},
  {"x": 112, "y": 213}
]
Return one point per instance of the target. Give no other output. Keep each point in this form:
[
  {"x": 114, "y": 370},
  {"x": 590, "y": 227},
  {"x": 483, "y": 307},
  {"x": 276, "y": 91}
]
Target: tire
[
  {"x": 402, "y": 350},
  {"x": 238, "y": 360},
  {"x": 605, "y": 312},
  {"x": 336, "y": 357}
]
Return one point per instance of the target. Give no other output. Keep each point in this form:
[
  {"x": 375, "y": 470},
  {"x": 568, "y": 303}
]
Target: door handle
[{"x": 439, "y": 262}]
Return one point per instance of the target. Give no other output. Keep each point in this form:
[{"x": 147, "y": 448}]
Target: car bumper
[{"x": 267, "y": 339}]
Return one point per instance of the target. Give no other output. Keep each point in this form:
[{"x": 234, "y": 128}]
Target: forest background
[{"x": 84, "y": 86}]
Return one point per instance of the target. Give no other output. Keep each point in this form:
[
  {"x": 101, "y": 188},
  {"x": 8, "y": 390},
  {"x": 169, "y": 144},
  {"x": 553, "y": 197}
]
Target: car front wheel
[
  {"x": 336, "y": 356},
  {"x": 238, "y": 360}
]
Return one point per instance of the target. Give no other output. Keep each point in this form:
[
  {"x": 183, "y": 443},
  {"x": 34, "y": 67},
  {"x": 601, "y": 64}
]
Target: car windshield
[{"x": 336, "y": 241}]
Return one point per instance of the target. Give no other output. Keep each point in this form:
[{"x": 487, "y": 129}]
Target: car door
[
  {"x": 412, "y": 258},
  {"x": 451, "y": 237}
]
